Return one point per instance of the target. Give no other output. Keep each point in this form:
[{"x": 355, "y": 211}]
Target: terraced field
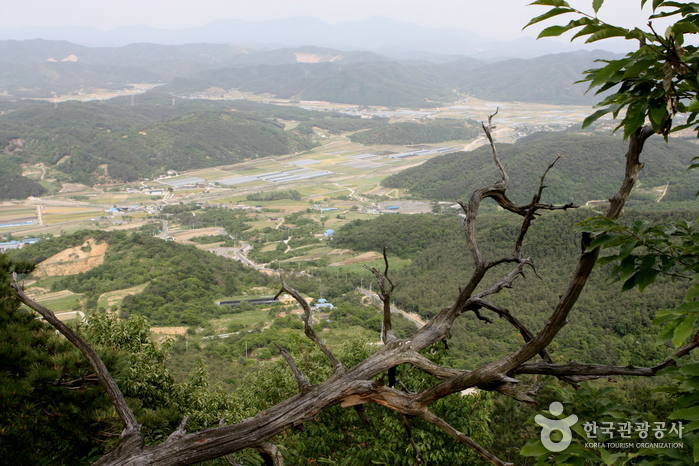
[{"x": 114, "y": 298}]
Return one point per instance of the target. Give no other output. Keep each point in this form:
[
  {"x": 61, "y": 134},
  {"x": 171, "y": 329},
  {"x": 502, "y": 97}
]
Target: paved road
[
  {"x": 240, "y": 255},
  {"x": 163, "y": 233}
]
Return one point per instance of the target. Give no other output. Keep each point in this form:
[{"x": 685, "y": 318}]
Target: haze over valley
[{"x": 163, "y": 179}]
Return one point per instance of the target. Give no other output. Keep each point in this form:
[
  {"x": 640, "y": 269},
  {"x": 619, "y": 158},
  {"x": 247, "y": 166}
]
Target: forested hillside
[
  {"x": 432, "y": 131},
  {"x": 521, "y": 80},
  {"x": 35, "y": 68},
  {"x": 381, "y": 83},
  {"x": 590, "y": 169},
  {"x": 134, "y": 141},
  {"x": 441, "y": 262},
  {"x": 12, "y": 184},
  {"x": 183, "y": 281}
]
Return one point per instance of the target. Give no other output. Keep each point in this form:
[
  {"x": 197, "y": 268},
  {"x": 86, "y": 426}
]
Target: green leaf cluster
[
  {"x": 641, "y": 253},
  {"x": 657, "y": 82}
]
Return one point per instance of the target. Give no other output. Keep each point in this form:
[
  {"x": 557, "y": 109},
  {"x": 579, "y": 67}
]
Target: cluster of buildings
[
  {"x": 120, "y": 210},
  {"x": 17, "y": 244},
  {"x": 145, "y": 190},
  {"x": 526, "y": 130}
]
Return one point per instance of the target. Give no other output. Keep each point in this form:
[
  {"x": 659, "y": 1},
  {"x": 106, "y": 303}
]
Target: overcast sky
[{"x": 503, "y": 19}]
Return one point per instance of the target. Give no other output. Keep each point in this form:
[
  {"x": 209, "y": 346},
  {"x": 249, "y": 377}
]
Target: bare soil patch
[
  {"x": 337, "y": 252},
  {"x": 168, "y": 330},
  {"x": 73, "y": 260},
  {"x": 126, "y": 226},
  {"x": 185, "y": 236},
  {"x": 364, "y": 257}
]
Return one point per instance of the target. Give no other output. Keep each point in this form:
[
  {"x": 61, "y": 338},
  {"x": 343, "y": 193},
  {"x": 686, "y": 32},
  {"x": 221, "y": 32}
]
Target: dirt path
[{"x": 664, "y": 191}]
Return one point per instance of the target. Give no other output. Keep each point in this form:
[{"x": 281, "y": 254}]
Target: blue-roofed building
[
  {"x": 14, "y": 244},
  {"x": 329, "y": 232},
  {"x": 323, "y": 303}
]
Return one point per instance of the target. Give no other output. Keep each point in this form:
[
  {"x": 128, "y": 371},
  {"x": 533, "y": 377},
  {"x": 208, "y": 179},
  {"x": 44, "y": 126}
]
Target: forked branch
[
  {"x": 303, "y": 384},
  {"x": 385, "y": 291},
  {"x": 308, "y": 326}
]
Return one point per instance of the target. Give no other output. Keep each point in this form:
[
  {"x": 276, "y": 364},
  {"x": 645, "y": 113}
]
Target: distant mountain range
[
  {"x": 41, "y": 68},
  {"x": 377, "y": 34}
]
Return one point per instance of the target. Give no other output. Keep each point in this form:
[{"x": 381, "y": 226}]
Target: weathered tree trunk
[{"x": 355, "y": 386}]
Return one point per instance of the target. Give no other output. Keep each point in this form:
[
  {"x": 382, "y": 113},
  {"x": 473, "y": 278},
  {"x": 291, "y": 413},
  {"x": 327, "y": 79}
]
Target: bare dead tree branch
[
  {"x": 385, "y": 296},
  {"x": 409, "y": 430},
  {"x": 488, "y": 133},
  {"x": 131, "y": 432},
  {"x": 361, "y": 412},
  {"x": 304, "y": 386},
  {"x": 308, "y": 327},
  {"x": 529, "y": 217},
  {"x": 461, "y": 438},
  {"x": 578, "y": 369},
  {"x": 271, "y": 454},
  {"x": 568, "y": 299}
]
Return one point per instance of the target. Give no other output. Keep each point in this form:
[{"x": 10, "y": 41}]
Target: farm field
[
  {"x": 11, "y": 214},
  {"x": 53, "y": 215},
  {"x": 114, "y": 298},
  {"x": 60, "y": 301},
  {"x": 346, "y": 169}
]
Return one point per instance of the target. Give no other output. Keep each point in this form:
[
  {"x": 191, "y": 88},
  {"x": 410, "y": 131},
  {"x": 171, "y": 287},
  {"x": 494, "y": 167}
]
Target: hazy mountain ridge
[
  {"x": 376, "y": 33},
  {"x": 36, "y": 69},
  {"x": 548, "y": 79}
]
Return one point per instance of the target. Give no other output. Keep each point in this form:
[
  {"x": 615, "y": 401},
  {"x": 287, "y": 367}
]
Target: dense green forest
[
  {"x": 441, "y": 262},
  {"x": 12, "y": 184},
  {"x": 590, "y": 169},
  {"x": 338, "y": 125},
  {"x": 432, "y": 131},
  {"x": 183, "y": 281},
  {"x": 153, "y": 135}
]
